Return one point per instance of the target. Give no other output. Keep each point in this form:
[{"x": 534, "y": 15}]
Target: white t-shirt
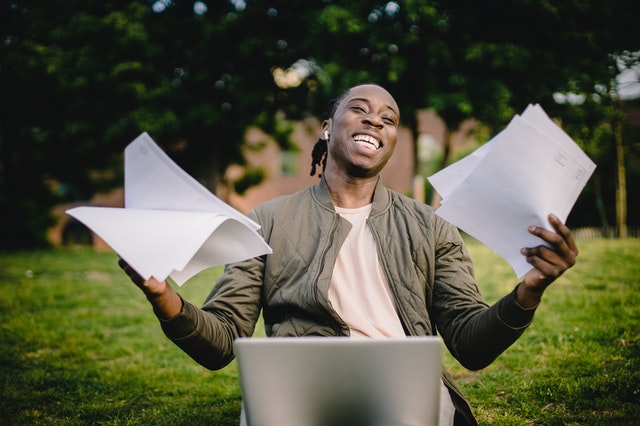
[
  {"x": 360, "y": 294},
  {"x": 359, "y": 291}
]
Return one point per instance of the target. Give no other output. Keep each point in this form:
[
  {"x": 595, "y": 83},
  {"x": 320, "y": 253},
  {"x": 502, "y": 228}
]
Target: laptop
[{"x": 335, "y": 381}]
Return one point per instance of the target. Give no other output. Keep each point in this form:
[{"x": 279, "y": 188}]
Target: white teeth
[{"x": 370, "y": 140}]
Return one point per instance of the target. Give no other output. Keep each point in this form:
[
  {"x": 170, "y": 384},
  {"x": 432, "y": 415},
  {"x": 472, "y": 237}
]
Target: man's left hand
[{"x": 548, "y": 262}]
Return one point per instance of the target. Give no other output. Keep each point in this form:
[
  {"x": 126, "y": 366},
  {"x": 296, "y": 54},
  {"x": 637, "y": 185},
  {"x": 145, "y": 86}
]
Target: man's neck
[{"x": 350, "y": 193}]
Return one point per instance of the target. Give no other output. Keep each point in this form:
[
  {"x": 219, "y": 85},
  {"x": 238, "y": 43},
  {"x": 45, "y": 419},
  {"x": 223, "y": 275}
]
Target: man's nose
[{"x": 373, "y": 120}]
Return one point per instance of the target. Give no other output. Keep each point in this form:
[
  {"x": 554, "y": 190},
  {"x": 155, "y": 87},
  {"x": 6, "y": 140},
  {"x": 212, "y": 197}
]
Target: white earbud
[{"x": 326, "y": 135}]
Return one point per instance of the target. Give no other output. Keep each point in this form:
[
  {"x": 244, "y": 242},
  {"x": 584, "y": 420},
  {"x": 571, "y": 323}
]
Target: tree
[
  {"x": 72, "y": 84},
  {"x": 102, "y": 72},
  {"x": 568, "y": 47},
  {"x": 599, "y": 119},
  {"x": 485, "y": 60},
  {"x": 79, "y": 80}
]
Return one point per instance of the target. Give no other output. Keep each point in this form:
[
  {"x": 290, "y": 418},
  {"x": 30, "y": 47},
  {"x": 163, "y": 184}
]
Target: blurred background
[{"x": 234, "y": 91}]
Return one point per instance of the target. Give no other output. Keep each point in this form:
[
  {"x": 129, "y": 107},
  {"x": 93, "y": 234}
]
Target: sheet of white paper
[
  {"x": 171, "y": 225},
  {"x": 155, "y": 181},
  {"x": 447, "y": 181},
  {"x": 530, "y": 169}
]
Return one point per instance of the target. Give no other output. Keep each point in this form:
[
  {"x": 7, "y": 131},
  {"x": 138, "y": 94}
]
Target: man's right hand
[{"x": 166, "y": 302}]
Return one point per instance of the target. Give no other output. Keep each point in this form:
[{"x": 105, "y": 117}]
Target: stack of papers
[
  {"x": 171, "y": 225},
  {"x": 529, "y": 170}
]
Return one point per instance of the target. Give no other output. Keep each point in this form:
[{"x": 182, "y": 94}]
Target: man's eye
[{"x": 358, "y": 108}]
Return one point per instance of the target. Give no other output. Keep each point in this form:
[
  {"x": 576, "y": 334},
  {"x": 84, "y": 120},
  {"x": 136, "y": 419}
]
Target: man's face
[{"x": 364, "y": 131}]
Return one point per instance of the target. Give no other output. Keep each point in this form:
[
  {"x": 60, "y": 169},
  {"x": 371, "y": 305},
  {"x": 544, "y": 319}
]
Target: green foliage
[
  {"x": 278, "y": 127},
  {"x": 251, "y": 177},
  {"x": 79, "y": 80}
]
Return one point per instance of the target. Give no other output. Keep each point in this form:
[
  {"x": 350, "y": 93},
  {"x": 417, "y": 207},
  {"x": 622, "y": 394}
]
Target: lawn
[{"x": 80, "y": 345}]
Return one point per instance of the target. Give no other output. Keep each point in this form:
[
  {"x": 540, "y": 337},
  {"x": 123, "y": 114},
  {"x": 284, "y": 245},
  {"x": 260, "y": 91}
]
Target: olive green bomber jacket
[{"x": 425, "y": 261}]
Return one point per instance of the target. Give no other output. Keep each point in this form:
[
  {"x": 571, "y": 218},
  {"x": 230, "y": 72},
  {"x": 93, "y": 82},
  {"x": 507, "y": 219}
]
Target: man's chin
[{"x": 363, "y": 172}]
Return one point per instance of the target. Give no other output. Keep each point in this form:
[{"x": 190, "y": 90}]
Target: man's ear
[{"x": 325, "y": 132}]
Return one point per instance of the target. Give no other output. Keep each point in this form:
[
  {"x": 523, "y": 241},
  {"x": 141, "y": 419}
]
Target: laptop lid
[{"x": 333, "y": 381}]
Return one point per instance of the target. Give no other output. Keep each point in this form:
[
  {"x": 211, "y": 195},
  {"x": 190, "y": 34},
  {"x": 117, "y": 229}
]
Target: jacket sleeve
[
  {"x": 230, "y": 311},
  {"x": 475, "y": 333}
]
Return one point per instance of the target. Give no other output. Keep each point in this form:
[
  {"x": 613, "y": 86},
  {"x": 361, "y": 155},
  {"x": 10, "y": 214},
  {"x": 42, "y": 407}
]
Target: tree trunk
[
  {"x": 597, "y": 184},
  {"x": 621, "y": 182}
]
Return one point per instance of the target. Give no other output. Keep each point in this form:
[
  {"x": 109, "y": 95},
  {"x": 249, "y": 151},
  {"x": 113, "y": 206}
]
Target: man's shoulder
[
  {"x": 410, "y": 204},
  {"x": 284, "y": 201},
  {"x": 407, "y": 209}
]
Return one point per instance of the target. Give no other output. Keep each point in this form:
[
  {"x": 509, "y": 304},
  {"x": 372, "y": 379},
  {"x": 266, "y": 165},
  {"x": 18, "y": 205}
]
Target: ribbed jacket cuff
[
  {"x": 182, "y": 325},
  {"x": 513, "y": 314}
]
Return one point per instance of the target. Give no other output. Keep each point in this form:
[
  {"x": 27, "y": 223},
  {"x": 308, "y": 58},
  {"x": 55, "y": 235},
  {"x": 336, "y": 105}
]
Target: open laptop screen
[{"x": 333, "y": 381}]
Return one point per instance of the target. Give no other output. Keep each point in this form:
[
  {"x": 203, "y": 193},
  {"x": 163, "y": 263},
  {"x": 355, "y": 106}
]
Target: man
[{"x": 353, "y": 258}]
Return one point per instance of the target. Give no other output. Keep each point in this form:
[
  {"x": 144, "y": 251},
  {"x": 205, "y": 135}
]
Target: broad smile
[{"x": 367, "y": 141}]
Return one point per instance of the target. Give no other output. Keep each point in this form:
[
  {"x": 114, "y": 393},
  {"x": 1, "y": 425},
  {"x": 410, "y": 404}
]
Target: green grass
[{"x": 80, "y": 345}]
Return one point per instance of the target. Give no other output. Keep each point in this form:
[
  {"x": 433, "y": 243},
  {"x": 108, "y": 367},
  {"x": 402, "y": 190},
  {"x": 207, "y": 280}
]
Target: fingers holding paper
[
  {"x": 149, "y": 287},
  {"x": 165, "y": 301},
  {"x": 548, "y": 261},
  {"x": 131, "y": 273}
]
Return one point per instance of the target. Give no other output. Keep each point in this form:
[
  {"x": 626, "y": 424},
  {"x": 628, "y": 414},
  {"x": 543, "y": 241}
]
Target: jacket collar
[{"x": 381, "y": 196}]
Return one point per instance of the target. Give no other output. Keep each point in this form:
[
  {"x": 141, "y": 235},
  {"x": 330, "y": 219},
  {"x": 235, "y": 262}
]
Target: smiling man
[
  {"x": 362, "y": 135},
  {"x": 353, "y": 258}
]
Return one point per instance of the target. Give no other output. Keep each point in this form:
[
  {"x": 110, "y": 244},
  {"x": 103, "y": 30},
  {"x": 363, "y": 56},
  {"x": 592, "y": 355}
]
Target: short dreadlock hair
[{"x": 319, "y": 153}]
